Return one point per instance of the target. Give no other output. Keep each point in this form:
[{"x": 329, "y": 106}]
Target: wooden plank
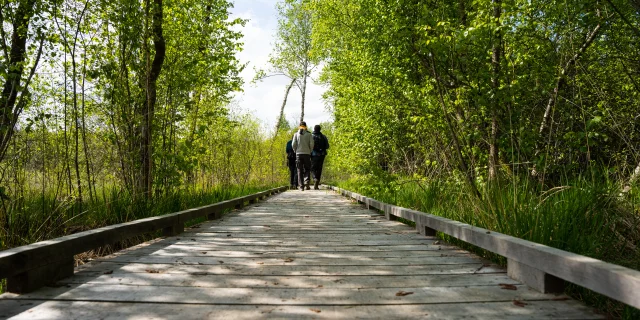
[
  {"x": 534, "y": 310},
  {"x": 291, "y": 270},
  {"x": 195, "y": 233},
  {"x": 426, "y": 254},
  {"x": 303, "y": 261},
  {"x": 245, "y": 281},
  {"x": 196, "y": 246},
  {"x": 285, "y": 296},
  {"x": 235, "y": 242}
]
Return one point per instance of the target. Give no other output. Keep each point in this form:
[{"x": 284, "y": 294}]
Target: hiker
[
  {"x": 320, "y": 146},
  {"x": 303, "y": 145},
  {"x": 291, "y": 163}
]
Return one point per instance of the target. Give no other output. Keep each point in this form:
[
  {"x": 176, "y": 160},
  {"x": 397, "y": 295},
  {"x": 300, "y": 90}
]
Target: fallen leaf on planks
[
  {"x": 152, "y": 271},
  {"x": 288, "y": 260},
  {"x": 519, "y": 303},
  {"x": 507, "y": 286},
  {"x": 315, "y": 310},
  {"x": 108, "y": 272},
  {"x": 403, "y": 293}
]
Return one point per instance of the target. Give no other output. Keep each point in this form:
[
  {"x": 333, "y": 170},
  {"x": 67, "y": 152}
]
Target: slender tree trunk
[
  {"x": 284, "y": 103},
  {"x": 152, "y": 78},
  {"x": 76, "y": 130},
  {"x": 66, "y": 136},
  {"x": 87, "y": 160},
  {"x": 15, "y": 68},
  {"x": 304, "y": 92},
  {"x": 495, "y": 84}
]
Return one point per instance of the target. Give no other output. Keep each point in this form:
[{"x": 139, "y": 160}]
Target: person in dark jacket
[
  {"x": 291, "y": 163},
  {"x": 320, "y": 146}
]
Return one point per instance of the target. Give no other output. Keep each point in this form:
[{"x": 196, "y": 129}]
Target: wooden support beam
[
  {"x": 173, "y": 230},
  {"x": 33, "y": 279}
]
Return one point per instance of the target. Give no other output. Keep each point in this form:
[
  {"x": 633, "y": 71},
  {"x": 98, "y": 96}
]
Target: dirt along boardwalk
[{"x": 311, "y": 254}]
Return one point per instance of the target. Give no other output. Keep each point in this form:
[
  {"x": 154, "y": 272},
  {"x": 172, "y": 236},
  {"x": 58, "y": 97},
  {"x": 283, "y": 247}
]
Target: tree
[
  {"x": 293, "y": 55},
  {"x": 15, "y": 92}
]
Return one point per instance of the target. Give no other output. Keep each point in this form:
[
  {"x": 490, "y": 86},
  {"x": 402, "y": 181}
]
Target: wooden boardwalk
[{"x": 311, "y": 254}]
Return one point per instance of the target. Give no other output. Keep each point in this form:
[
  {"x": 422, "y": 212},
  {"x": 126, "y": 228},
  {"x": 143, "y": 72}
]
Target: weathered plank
[
  {"x": 286, "y": 296},
  {"x": 533, "y": 310},
  {"x": 294, "y": 270},
  {"x": 285, "y": 260},
  {"x": 247, "y": 281}
]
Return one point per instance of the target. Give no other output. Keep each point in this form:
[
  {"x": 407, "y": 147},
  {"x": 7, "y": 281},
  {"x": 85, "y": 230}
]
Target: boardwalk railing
[
  {"x": 33, "y": 266},
  {"x": 538, "y": 266}
]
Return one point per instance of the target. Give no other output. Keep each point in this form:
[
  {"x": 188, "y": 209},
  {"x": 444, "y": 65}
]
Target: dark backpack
[{"x": 319, "y": 142}]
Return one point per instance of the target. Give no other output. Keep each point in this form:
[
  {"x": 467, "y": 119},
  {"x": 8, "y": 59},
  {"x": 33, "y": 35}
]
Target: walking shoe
[
  {"x": 308, "y": 187},
  {"x": 302, "y": 188},
  {"x": 315, "y": 185}
]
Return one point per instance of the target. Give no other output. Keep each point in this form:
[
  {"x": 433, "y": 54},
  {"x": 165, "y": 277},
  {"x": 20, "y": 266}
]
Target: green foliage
[
  {"x": 74, "y": 161},
  {"x": 495, "y": 113}
]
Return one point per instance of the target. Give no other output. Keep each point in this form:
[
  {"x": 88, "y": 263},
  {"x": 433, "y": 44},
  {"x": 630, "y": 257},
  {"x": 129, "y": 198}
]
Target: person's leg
[
  {"x": 300, "y": 166},
  {"x": 293, "y": 177},
  {"x": 320, "y": 165},
  {"x": 314, "y": 165},
  {"x": 307, "y": 171},
  {"x": 317, "y": 171}
]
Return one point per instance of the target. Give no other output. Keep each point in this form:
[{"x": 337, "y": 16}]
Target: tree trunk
[
  {"x": 84, "y": 135},
  {"x": 284, "y": 103},
  {"x": 304, "y": 92},
  {"x": 151, "y": 89},
  {"x": 495, "y": 85},
  {"x": 15, "y": 68}
]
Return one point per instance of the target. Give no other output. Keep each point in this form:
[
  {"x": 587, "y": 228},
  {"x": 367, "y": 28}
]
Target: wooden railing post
[
  {"x": 215, "y": 215},
  {"x": 423, "y": 229},
  {"x": 534, "y": 278},
  {"x": 33, "y": 279},
  {"x": 175, "y": 229}
]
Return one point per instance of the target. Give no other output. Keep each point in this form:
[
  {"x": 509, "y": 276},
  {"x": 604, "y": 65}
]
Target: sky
[{"x": 264, "y": 98}]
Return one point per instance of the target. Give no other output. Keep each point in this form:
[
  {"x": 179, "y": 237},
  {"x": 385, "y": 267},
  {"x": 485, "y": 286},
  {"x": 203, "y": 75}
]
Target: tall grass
[
  {"x": 586, "y": 215},
  {"x": 35, "y": 217}
]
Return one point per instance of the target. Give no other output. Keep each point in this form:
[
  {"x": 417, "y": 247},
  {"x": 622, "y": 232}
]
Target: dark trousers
[
  {"x": 316, "y": 167},
  {"x": 303, "y": 162},
  {"x": 293, "y": 172}
]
